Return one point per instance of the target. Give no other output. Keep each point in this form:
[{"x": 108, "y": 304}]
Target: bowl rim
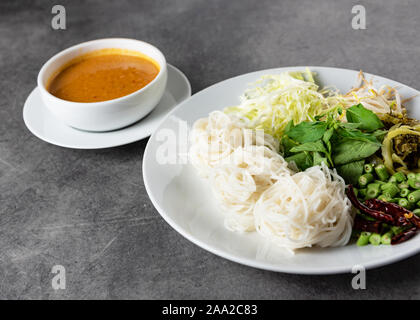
[{"x": 78, "y": 46}]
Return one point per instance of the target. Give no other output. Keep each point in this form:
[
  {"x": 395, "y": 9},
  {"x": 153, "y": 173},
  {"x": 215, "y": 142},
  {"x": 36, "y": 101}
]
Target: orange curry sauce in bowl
[{"x": 103, "y": 75}]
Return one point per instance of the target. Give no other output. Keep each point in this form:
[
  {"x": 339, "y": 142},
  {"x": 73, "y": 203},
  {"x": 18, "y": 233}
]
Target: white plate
[
  {"x": 186, "y": 203},
  {"x": 50, "y": 129}
]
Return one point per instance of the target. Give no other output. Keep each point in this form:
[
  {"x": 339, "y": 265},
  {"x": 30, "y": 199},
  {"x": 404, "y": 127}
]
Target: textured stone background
[{"x": 89, "y": 211}]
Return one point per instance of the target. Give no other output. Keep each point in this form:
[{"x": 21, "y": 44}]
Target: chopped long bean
[
  {"x": 400, "y": 176},
  {"x": 381, "y": 172},
  {"x": 396, "y": 230},
  {"x": 392, "y": 179},
  {"x": 404, "y": 192},
  {"x": 366, "y": 178},
  {"x": 373, "y": 190},
  {"x": 363, "y": 239},
  {"x": 411, "y": 175},
  {"x": 375, "y": 239},
  {"x": 413, "y": 183},
  {"x": 385, "y": 197},
  {"x": 386, "y": 238},
  {"x": 403, "y": 185},
  {"x": 390, "y": 189},
  {"x": 405, "y": 204},
  {"x": 368, "y": 168},
  {"x": 414, "y": 196}
]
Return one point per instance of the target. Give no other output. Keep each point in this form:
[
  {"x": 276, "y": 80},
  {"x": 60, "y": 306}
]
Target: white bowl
[{"x": 110, "y": 114}]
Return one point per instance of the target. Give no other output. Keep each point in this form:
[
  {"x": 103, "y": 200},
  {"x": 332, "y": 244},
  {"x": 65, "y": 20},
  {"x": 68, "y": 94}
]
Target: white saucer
[{"x": 50, "y": 129}]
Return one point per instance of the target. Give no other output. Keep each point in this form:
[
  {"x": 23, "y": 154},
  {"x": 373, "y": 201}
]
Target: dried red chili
[
  {"x": 381, "y": 216},
  {"x": 403, "y": 217},
  {"x": 404, "y": 236},
  {"x": 365, "y": 225}
]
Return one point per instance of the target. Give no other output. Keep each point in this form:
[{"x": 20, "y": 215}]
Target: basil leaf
[
  {"x": 318, "y": 159},
  {"x": 349, "y": 150},
  {"x": 368, "y": 120},
  {"x": 288, "y": 144},
  {"x": 326, "y": 138},
  {"x": 303, "y": 160},
  {"x": 348, "y": 125},
  {"x": 316, "y": 146},
  {"x": 357, "y": 135},
  {"x": 380, "y": 134},
  {"x": 351, "y": 172},
  {"x": 307, "y": 131},
  {"x": 289, "y": 126}
]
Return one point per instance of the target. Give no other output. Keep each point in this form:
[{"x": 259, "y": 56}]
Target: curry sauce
[{"x": 103, "y": 76}]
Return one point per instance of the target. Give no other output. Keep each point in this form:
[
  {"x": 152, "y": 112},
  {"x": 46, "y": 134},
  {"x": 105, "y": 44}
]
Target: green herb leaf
[
  {"x": 307, "y": 131},
  {"x": 348, "y": 125},
  {"x": 288, "y": 144},
  {"x": 328, "y": 134},
  {"x": 357, "y": 135},
  {"x": 316, "y": 146},
  {"x": 289, "y": 126},
  {"x": 303, "y": 160},
  {"x": 380, "y": 134},
  {"x": 318, "y": 159},
  {"x": 327, "y": 137},
  {"x": 351, "y": 172},
  {"x": 368, "y": 120},
  {"x": 349, "y": 150}
]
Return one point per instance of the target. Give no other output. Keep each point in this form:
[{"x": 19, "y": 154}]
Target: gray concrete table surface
[{"x": 89, "y": 211}]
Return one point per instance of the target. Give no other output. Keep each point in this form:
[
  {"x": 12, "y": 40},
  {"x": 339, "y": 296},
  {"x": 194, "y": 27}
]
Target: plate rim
[
  {"x": 134, "y": 138},
  {"x": 376, "y": 263}
]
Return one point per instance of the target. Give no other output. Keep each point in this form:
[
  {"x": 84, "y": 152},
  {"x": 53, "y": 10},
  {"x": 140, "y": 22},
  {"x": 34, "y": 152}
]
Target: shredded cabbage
[{"x": 276, "y": 99}]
